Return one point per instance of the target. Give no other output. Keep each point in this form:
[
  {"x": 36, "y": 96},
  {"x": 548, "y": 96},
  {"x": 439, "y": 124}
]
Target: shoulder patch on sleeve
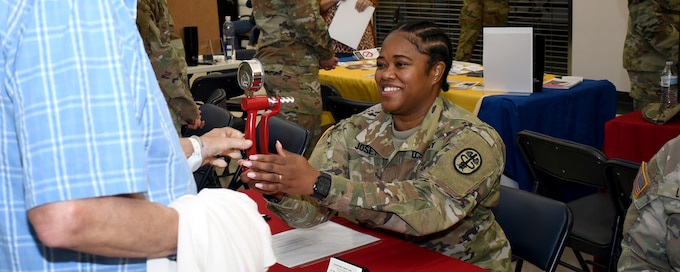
[
  {"x": 467, "y": 161},
  {"x": 641, "y": 181}
]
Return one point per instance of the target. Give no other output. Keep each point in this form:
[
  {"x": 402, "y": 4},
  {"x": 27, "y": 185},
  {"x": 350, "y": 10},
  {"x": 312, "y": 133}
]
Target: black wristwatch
[{"x": 322, "y": 186}]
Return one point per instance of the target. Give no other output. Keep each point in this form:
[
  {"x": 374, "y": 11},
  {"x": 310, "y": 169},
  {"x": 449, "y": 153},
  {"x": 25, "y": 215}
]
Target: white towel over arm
[{"x": 219, "y": 230}]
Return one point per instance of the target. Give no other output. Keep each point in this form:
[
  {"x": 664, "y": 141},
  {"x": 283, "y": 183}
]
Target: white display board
[{"x": 508, "y": 60}]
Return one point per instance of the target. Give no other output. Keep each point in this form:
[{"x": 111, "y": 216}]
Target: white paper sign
[
  {"x": 348, "y": 24},
  {"x": 337, "y": 265}
]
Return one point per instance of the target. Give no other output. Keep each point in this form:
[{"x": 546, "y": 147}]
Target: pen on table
[
  {"x": 266, "y": 217},
  {"x": 212, "y": 53}
]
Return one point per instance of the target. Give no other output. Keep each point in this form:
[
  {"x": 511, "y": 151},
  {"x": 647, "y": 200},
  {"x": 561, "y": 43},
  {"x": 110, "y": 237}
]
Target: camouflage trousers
[
  {"x": 302, "y": 84},
  {"x": 644, "y": 88},
  {"x": 473, "y": 16}
]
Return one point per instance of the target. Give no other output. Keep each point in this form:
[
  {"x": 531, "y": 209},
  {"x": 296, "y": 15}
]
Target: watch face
[{"x": 322, "y": 186}]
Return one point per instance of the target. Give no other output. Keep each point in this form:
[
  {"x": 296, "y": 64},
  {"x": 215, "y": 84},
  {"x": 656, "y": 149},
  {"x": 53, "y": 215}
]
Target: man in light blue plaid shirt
[{"x": 89, "y": 158}]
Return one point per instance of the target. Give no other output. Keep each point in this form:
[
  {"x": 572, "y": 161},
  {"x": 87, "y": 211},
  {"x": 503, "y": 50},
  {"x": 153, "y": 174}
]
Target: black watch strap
[{"x": 322, "y": 186}]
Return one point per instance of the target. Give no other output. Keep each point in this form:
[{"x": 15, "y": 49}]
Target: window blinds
[{"x": 549, "y": 18}]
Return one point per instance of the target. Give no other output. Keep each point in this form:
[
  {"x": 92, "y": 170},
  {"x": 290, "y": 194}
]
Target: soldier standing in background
[
  {"x": 651, "y": 40},
  {"x": 166, "y": 52},
  {"x": 473, "y": 16},
  {"x": 294, "y": 42},
  {"x": 651, "y": 240}
]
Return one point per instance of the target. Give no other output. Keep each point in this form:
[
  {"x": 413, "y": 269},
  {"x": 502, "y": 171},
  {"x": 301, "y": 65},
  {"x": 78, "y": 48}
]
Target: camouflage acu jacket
[
  {"x": 652, "y": 36},
  {"x": 291, "y": 33},
  {"x": 435, "y": 189},
  {"x": 166, "y": 52},
  {"x": 651, "y": 239}
]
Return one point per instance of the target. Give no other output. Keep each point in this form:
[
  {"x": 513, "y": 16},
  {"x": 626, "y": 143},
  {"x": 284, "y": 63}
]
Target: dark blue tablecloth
[
  {"x": 346, "y": 59},
  {"x": 577, "y": 114}
]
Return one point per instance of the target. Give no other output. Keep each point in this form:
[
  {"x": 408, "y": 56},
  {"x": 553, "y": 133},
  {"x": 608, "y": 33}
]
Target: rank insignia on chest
[
  {"x": 467, "y": 161},
  {"x": 641, "y": 182}
]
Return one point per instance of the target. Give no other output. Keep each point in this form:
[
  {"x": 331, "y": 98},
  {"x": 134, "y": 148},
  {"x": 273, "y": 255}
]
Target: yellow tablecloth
[{"x": 359, "y": 84}]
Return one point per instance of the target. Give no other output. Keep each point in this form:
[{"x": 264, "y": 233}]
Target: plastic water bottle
[
  {"x": 228, "y": 40},
  {"x": 669, "y": 84}
]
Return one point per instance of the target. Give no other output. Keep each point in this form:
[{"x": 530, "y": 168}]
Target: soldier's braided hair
[{"x": 430, "y": 40}]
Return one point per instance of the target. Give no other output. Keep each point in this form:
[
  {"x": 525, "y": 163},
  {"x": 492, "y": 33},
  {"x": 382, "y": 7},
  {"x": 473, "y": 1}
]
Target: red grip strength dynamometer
[{"x": 250, "y": 79}]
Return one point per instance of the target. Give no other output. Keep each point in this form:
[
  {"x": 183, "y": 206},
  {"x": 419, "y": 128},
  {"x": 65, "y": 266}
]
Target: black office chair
[
  {"x": 294, "y": 138},
  {"x": 217, "y": 98},
  {"x": 342, "y": 108},
  {"x": 620, "y": 175},
  {"x": 204, "y": 86},
  {"x": 214, "y": 117},
  {"x": 536, "y": 226},
  {"x": 554, "y": 165}
]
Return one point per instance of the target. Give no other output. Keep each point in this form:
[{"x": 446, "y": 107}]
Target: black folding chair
[
  {"x": 536, "y": 226},
  {"x": 620, "y": 175},
  {"x": 554, "y": 165}
]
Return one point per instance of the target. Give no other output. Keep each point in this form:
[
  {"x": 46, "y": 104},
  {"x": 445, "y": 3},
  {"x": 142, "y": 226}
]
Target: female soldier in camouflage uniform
[{"x": 415, "y": 164}]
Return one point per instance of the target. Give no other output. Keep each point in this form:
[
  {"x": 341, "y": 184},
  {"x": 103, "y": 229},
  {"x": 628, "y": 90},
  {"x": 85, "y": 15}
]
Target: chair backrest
[
  {"x": 620, "y": 174},
  {"x": 204, "y": 86},
  {"x": 574, "y": 173},
  {"x": 214, "y": 117},
  {"x": 536, "y": 226},
  {"x": 218, "y": 98},
  {"x": 245, "y": 54},
  {"x": 342, "y": 108},
  {"x": 294, "y": 138},
  {"x": 561, "y": 160},
  {"x": 327, "y": 90}
]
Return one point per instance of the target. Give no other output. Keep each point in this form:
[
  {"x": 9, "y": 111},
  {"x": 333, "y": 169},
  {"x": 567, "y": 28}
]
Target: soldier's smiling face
[{"x": 407, "y": 88}]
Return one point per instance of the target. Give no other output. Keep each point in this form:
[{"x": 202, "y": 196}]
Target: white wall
[{"x": 599, "y": 30}]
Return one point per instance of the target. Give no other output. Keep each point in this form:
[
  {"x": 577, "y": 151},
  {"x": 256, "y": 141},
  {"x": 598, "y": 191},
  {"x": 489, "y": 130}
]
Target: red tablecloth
[
  {"x": 389, "y": 254},
  {"x": 632, "y": 138}
]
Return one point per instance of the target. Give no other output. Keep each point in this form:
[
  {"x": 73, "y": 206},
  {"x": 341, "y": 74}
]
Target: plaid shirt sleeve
[{"x": 81, "y": 116}]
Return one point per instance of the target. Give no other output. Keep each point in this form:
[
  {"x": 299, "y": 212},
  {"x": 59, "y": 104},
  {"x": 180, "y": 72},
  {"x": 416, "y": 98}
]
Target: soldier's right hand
[{"x": 329, "y": 64}]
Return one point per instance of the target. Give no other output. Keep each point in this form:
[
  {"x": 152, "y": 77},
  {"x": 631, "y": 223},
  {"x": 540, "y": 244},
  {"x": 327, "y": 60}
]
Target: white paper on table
[
  {"x": 300, "y": 246},
  {"x": 348, "y": 24}
]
